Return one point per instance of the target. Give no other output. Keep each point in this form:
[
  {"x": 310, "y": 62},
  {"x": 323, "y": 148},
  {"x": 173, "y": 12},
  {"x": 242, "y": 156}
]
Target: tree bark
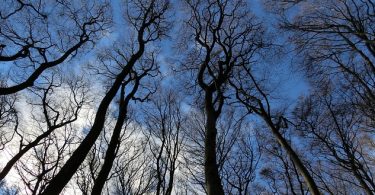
[{"x": 213, "y": 181}]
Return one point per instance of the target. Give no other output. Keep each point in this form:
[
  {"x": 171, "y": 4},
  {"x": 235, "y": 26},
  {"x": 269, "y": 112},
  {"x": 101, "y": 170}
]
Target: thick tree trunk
[
  {"x": 67, "y": 171},
  {"x": 213, "y": 181}
]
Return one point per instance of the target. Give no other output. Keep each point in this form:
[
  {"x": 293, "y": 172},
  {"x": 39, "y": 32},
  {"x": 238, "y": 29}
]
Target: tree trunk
[
  {"x": 110, "y": 155},
  {"x": 213, "y": 181},
  {"x": 313, "y": 188},
  {"x": 67, "y": 171}
]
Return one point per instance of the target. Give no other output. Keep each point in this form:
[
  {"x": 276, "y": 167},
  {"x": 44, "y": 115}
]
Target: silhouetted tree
[
  {"x": 224, "y": 36},
  {"x": 92, "y": 90},
  {"x": 165, "y": 122},
  {"x": 279, "y": 171},
  {"x": 9, "y": 121},
  {"x": 53, "y": 109},
  {"x": 253, "y": 95},
  {"x": 335, "y": 132},
  {"x": 240, "y": 168},
  {"x": 132, "y": 81},
  {"x": 147, "y": 21},
  {"x": 51, "y": 33},
  {"x": 336, "y": 42}
]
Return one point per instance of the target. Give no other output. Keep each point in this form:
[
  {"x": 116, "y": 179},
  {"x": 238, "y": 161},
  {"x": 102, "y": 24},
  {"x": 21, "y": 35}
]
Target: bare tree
[
  {"x": 43, "y": 163},
  {"x": 127, "y": 152},
  {"x": 237, "y": 151},
  {"x": 9, "y": 120},
  {"x": 239, "y": 169},
  {"x": 335, "y": 132},
  {"x": 225, "y": 36},
  {"x": 336, "y": 42},
  {"x": 279, "y": 171},
  {"x": 192, "y": 154},
  {"x": 254, "y": 96},
  {"x": 52, "y": 33},
  {"x": 165, "y": 122},
  {"x": 147, "y": 20},
  {"x": 87, "y": 172},
  {"x": 134, "y": 172},
  {"x": 133, "y": 81},
  {"x": 143, "y": 139},
  {"x": 53, "y": 111}
]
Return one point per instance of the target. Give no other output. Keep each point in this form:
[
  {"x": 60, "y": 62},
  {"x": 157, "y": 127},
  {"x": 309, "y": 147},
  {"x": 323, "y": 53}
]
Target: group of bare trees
[{"x": 184, "y": 97}]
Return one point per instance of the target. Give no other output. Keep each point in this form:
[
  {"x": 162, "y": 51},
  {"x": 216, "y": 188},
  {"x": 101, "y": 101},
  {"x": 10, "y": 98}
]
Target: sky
[{"x": 291, "y": 82}]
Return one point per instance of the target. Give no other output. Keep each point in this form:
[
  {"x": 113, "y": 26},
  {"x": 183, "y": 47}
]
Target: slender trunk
[
  {"x": 213, "y": 181},
  {"x": 110, "y": 155},
  {"x": 158, "y": 165},
  {"x": 294, "y": 157},
  {"x": 67, "y": 171},
  {"x": 170, "y": 183},
  {"x": 115, "y": 138}
]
